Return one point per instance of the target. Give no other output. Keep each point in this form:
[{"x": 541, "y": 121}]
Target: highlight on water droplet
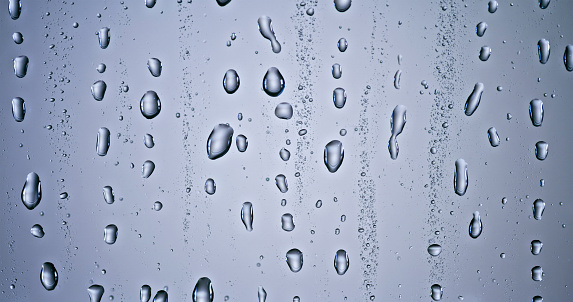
[
  {"x": 147, "y": 168},
  {"x": 568, "y": 57},
  {"x": 15, "y": 9},
  {"x": 18, "y": 109},
  {"x": 474, "y": 99},
  {"x": 536, "y": 247},
  {"x": 102, "y": 142},
  {"x": 287, "y": 222},
  {"x": 541, "y": 150},
  {"x": 434, "y": 249},
  {"x": 538, "y": 208},
  {"x": 203, "y": 291},
  {"x": 284, "y": 154},
  {"x": 397, "y": 77},
  {"x": 242, "y": 143},
  {"x": 21, "y": 66},
  {"x": 493, "y": 137},
  {"x": 150, "y": 104},
  {"x": 95, "y": 292},
  {"x": 281, "y": 183},
  {"x": 266, "y": 30},
  {"x": 210, "y": 186},
  {"x": 49, "y": 276},
  {"x": 537, "y": 273},
  {"x": 342, "y": 45},
  {"x": 436, "y": 292},
  {"x": 536, "y": 112},
  {"x": 262, "y": 294},
  {"x": 154, "y": 66},
  {"x": 110, "y": 234},
  {"x": 333, "y": 155},
  {"x": 336, "y": 71},
  {"x": 108, "y": 195},
  {"x": 148, "y": 140},
  {"x": 284, "y": 111},
  {"x": 98, "y": 90},
  {"x": 103, "y": 37},
  {"x": 341, "y": 262},
  {"x": 231, "y": 81},
  {"x": 247, "y": 215},
  {"x": 294, "y": 260},
  {"x": 492, "y": 6},
  {"x": 481, "y": 28},
  {"x": 397, "y": 123},
  {"x": 342, "y": 5},
  {"x": 339, "y": 97},
  {"x": 37, "y": 231},
  {"x": 475, "y": 226},
  {"x": 543, "y": 50},
  {"x": 32, "y": 191},
  {"x": 18, "y": 37},
  {"x": 543, "y": 4},
  {"x": 145, "y": 293},
  {"x": 273, "y": 82},
  {"x": 219, "y": 141},
  {"x": 484, "y": 53},
  {"x": 461, "y": 177}
]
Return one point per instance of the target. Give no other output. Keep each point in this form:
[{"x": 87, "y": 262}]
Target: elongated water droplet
[
  {"x": 294, "y": 260},
  {"x": 247, "y": 215},
  {"x": 18, "y": 109},
  {"x": 475, "y": 225},
  {"x": 150, "y": 3},
  {"x": 397, "y": 77},
  {"x": 484, "y": 53},
  {"x": 95, "y": 292},
  {"x": 37, "y": 231},
  {"x": 231, "y": 81},
  {"x": 543, "y": 50},
  {"x": 145, "y": 293},
  {"x": 32, "y": 191},
  {"x": 538, "y": 208},
  {"x": 98, "y": 90},
  {"x": 49, "y": 276},
  {"x": 284, "y": 111},
  {"x": 481, "y": 28},
  {"x": 210, "y": 186},
  {"x": 543, "y": 4},
  {"x": 536, "y": 247},
  {"x": 242, "y": 143},
  {"x": 537, "y": 273},
  {"x": 281, "y": 183},
  {"x": 436, "y": 292},
  {"x": 287, "y": 222},
  {"x": 102, "y": 142},
  {"x": 492, "y": 6},
  {"x": 203, "y": 291},
  {"x": 15, "y": 9},
  {"x": 273, "y": 82},
  {"x": 342, "y": 5},
  {"x": 219, "y": 141},
  {"x": 397, "y": 123},
  {"x": 541, "y": 150},
  {"x": 342, "y": 45},
  {"x": 333, "y": 155},
  {"x": 461, "y": 177},
  {"x": 474, "y": 99},
  {"x": 341, "y": 262},
  {"x": 223, "y": 2},
  {"x": 336, "y": 71},
  {"x": 147, "y": 169},
  {"x": 568, "y": 57},
  {"x": 339, "y": 97},
  {"x": 108, "y": 195},
  {"x": 103, "y": 37},
  {"x": 150, "y": 104},
  {"x": 262, "y": 293},
  {"x": 536, "y": 112},
  {"x": 148, "y": 140},
  {"x": 160, "y": 296},
  {"x": 284, "y": 154},
  {"x": 21, "y": 66},
  {"x": 434, "y": 249},
  {"x": 493, "y": 137},
  {"x": 110, "y": 234},
  {"x": 266, "y": 30},
  {"x": 18, "y": 37},
  {"x": 154, "y": 66}
]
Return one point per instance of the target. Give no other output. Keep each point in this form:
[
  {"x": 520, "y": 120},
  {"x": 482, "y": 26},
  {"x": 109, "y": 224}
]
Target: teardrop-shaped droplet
[
  {"x": 543, "y": 50},
  {"x": 397, "y": 77},
  {"x": 154, "y": 66},
  {"x": 262, "y": 294},
  {"x": 219, "y": 141},
  {"x": 474, "y": 99},
  {"x": 339, "y": 97},
  {"x": 103, "y": 140},
  {"x": 210, "y": 186},
  {"x": 281, "y": 183},
  {"x": 231, "y": 81},
  {"x": 266, "y": 30},
  {"x": 341, "y": 262},
  {"x": 436, "y": 292},
  {"x": 342, "y": 45},
  {"x": 536, "y": 112},
  {"x": 568, "y": 57},
  {"x": 484, "y": 53},
  {"x": 284, "y": 111},
  {"x": 541, "y": 150},
  {"x": 397, "y": 123},
  {"x": 493, "y": 137},
  {"x": 160, "y": 296},
  {"x": 101, "y": 68},
  {"x": 95, "y": 292},
  {"x": 336, "y": 71},
  {"x": 536, "y": 247},
  {"x": 150, "y": 104},
  {"x": 284, "y": 154},
  {"x": 108, "y": 195},
  {"x": 18, "y": 109},
  {"x": 538, "y": 208},
  {"x": 147, "y": 169},
  {"x": 461, "y": 177},
  {"x": 49, "y": 276},
  {"x": 273, "y": 82},
  {"x": 150, "y": 3},
  {"x": 110, "y": 234},
  {"x": 247, "y": 215},
  {"x": 287, "y": 222},
  {"x": 294, "y": 260},
  {"x": 148, "y": 140},
  {"x": 242, "y": 143},
  {"x": 543, "y": 4},
  {"x": 481, "y": 28},
  {"x": 15, "y": 9},
  {"x": 475, "y": 226},
  {"x": 537, "y": 273},
  {"x": 203, "y": 291},
  {"x": 98, "y": 90},
  {"x": 21, "y": 66},
  {"x": 333, "y": 155},
  {"x": 434, "y": 249},
  {"x": 342, "y": 5},
  {"x": 103, "y": 37},
  {"x": 492, "y": 6},
  {"x": 18, "y": 37},
  {"x": 37, "y": 231},
  {"x": 32, "y": 191},
  {"x": 145, "y": 293}
]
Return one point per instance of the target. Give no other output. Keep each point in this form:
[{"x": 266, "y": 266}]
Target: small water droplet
[
  {"x": 481, "y": 28},
  {"x": 101, "y": 68},
  {"x": 102, "y": 142},
  {"x": 543, "y": 50},
  {"x": 210, "y": 186},
  {"x": 150, "y": 104},
  {"x": 436, "y": 292},
  {"x": 154, "y": 66},
  {"x": 397, "y": 123},
  {"x": 18, "y": 37},
  {"x": 434, "y": 249},
  {"x": 18, "y": 109},
  {"x": 284, "y": 111},
  {"x": 474, "y": 99},
  {"x": 333, "y": 155},
  {"x": 95, "y": 292},
  {"x": 203, "y": 291},
  {"x": 484, "y": 53},
  {"x": 536, "y": 247},
  {"x": 148, "y": 140},
  {"x": 475, "y": 226},
  {"x": 492, "y": 6},
  {"x": 342, "y": 5},
  {"x": 310, "y": 11},
  {"x": 242, "y": 143},
  {"x": 341, "y": 262},
  {"x": 294, "y": 260},
  {"x": 98, "y": 90},
  {"x": 108, "y": 195},
  {"x": 336, "y": 71},
  {"x": 284, "y": 154},
  {"x": 493, "y": 137},
  {"x": 281, "y": 183},
  {"x": 147, "y": 169},
  {"x": 397, "y": 77},
  {"x": 21, "y": 66},
  {"x": 247, "y": 215},
  {"x": 538, "y": 208},
  {"x": 37, "y": 231},
  {"x": 231, "y": 81},
  {"x": 339, "y": 97},
  {"x": 537, "y": 273},
  {"x": 219, "y": 141},
  {"x": 342, "y": 44},
  {"x": 536, "y": 112},
  {"x": 287, "y": 222},
  {"x": 262, "y": 294},
  {"x": 541, "y": 150},
  {"x": 266, "y": 30},
  {"x": 103, "y": 37},
  {"x": 273, "y": 82},
  {"x": 49, "y": 276},
  {"x": 32, "y": 191},
  {"x": 461, "y": 177},
  {"x": 110, "y": 234},
  {"x": 15, "y": 9},
  {"x": 568, "y": 57}
]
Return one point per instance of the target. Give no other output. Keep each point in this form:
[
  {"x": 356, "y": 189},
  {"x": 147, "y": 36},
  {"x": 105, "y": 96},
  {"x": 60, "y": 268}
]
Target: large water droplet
[
  {"x": 287, "y": 222},
  {"x": 284, "y": 154},
  {"x": 281, "y": 183},
  {"x": 536, "y": 112},
  {"x": 474, "y": 99},
  {"x": 110, "y": 234},
  {"x": 538, "y": 208},
  {"x": 219, "y": 141},
  {"x": 461, "y": 177},
  {"x": 18, "y": 109},
  {"x": 18, "y": 37},
  {"x": 150, "y": 3},
  {"x": 95, "y": 292},
  {"x": 247, "y": 215},
  {"x": 37, "y": 231},
  {"x": 397, "y": 123},
  {"x": 568, "y": 57},
  {"x": 273, "y": 82},
  {"x": 231, "y": 81},
  {"x": 210, "y": 186},
  {"x": 284, "y": 111},
  {"x": 150, "y": 104},
  {"x": 154, "y": 66},
  {"x": 203, "y": 291},
  {"x": 543, "y": 49},
  {"x": 15, "y": 9},
  {"x": 49, "y": 276},
  {"x": 147, "y": 169},
  {"x": 103, "y": 37},
  {"x": 160, "y": 296},
  {"x": 475, "y": 225},
  {"x": 342, "y": 5},
  {"x": 148, "y": 140},
  {"x": 434, "y": 249},
  {"x": 339, "y": 97},
  {"x": 21, "y": 66},
  {"x": 481, "y": 28},
  {"x": 341, "y": 262},
  {"x": 32, "y": 191},
  {"x": 537, "y": 273},
  {"x": 493, "y": 137},
  {"x": 492, "y": 6},
  {"x": 266, "y": 29},
  {"x": 145, "y": 293},
  {"x": 242, "y": 143},
  {"x": 484, "y": 53},
  {"x": 536, "y": 247},
  {"x": 98, "y": 90},
  {"x": 436, "y": 292},
  {"x": 294, "y": 260},
  {"x": 102, "y": 142},
  {"x": 397, "y": 77},
  {"x": 336, "y": 71},
  {"x": 333, "y": 155},
  {"x": 543, "y": 4},
  {"x": 541, "y": 150},
  {"x": 262, "y": 293},
  {"x": 342, "y": 45}
]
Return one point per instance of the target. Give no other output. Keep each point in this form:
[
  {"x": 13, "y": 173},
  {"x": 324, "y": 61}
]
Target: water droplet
[
  {"x": 17, "y": 37},
  {"x": 342, "y": 44},
  {"x": 262, "y": 293},
  {"x": 160, "y": 296},
  {"x": 543, "y": 50},
  {"x": 568, "y": 57},
  {"x": 536, "y": 247},
  {"x": 537, "y": 273},
  {"x": 481, "y": 28},
  {"x": 273, "y": 82},
  {"x": 18, "y": 109},
  {"x": 536, "y": 112},
  {"x": 541, "y": 150},
  {"x": 341, "y": 262},
  {"x": 266, "y": 29},
  {"x": 287, "y": 222},
  {"x": 492, "y": 6},
  {"x": 284, "y": 154},
  {"x": 475, "y": 226},
  {"x": 98, "y": 90},
  {"x": 219, "y": 141},
  {"x": 223, "y": 2},
  {"x": 103, "y": 37},
  {"x": 210, "y": 186},
  {"x": 296, "y": 299},
  {"x": 49, "y": 276},
  {"x": 339, "y": 97},
  {"x": 336, "y": 71},
  {"x": 147, "y": 169},
  {"x": 537, "y": 298},
  {"x": 32, "y": 191},
  {"x": 145, "y": 293},
  {"x": 101, "y": 68},
  {"x": 310, "y": 11},
  {"x": 434, "y": 249},
  {"x": 150, "y": 104},
  {"x": 15, "y": 9},
  {"x": 110, "y": 234},
  {"x": 461, "y": 177},
  {"x": 484, "y": 53},
  {"x": 95, "y": 292},
  {"x": 281, "y": 183},
  {"x": 150, "y": 3},
  {"x": 102, "y": 142},
  {"x": 333, "y": 155},
  {"x": 397, "y": 77},
  {"x": 108, "y": 195},
  {"x": 231, "y": 81},
  {"x": 397, "y": 123},
  {"x": 493, "y": 137},
  {"x": 247, "y": 215},
  {"x": 436, "y": 292},
  {"x": 21, "y": 66},
  {"x": 148, "y": 140},
  {"x": 37, "y": 231},
  {"x": 543, "y": 4},
  {"x": 154, "y": 66},
  {"x": 242, "y": 143},
  {"x": 342, "y": 5},
  {"x": 284, "y": 111},
  {"x": 294, "y": 260},
  {"x": 474, "y": 99},
  {"x": 538, "y": 208}
]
